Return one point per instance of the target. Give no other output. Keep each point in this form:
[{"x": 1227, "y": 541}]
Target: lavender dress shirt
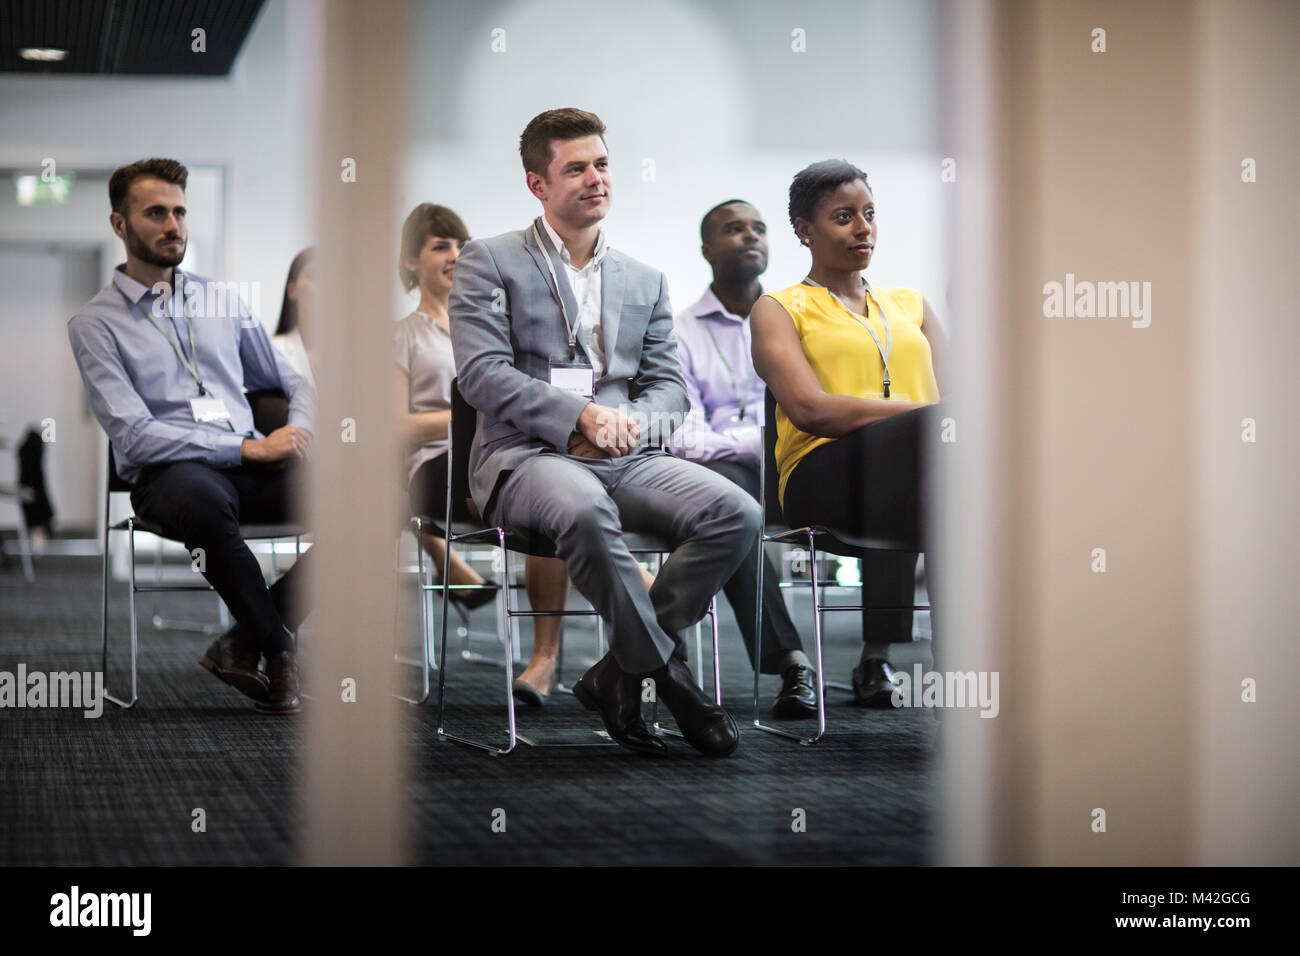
[{"x": 720, "y": 382}]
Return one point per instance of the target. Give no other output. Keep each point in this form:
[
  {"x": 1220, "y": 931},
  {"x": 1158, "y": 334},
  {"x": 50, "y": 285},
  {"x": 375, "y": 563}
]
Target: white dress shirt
[
  {"x": 292, "y": 348},
  {"x": 585, "y": 283}
]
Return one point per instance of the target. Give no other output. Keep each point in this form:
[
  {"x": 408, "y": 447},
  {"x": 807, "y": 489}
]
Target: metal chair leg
[
  {"x": 817, "y": 635},
  {"x": 24, "y": 540},
  {"x": 717, "y": 655},
  {"x": 161, "y": 623},
  {"x": 474, "y": 657},
  {"x": 423, "y": 663},
  {"x": 124, "y": 704},
  {"x": 699, "y": 654},
  {"x": 503, "y": 595},
  {"x": 135, "y": 696}
]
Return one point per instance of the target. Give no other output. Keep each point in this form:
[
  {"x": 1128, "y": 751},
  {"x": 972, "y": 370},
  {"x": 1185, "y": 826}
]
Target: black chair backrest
[
  {"x": 270, "y": 407},
  {"x": 464, "y": 423},
  {"x": 115, "y": 481},
  {"x": 771, "y": 477}
]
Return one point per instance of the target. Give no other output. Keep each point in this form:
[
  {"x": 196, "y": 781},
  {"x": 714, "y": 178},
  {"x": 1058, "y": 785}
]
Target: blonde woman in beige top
[{"x": 432, "y": 237}]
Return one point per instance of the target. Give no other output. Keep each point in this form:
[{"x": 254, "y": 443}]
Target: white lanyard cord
[
  {"x": 889, "y": 344},
  {"x": 193, "y": 369},
  {"x": 570, "y": 327},
  {"x": 741, "y": 399}
]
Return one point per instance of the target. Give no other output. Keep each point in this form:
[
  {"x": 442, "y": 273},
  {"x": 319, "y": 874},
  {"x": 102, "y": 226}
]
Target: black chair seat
[
  {"x": 844, "y": 543},
  {"x": 464, "y": 423},
  {"x": 135, "y": 523},
  {"x": 829, "y": 540}
]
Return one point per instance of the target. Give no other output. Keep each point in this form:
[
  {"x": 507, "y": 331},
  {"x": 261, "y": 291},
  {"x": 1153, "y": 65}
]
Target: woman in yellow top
[{"x": 852, "y": 367}]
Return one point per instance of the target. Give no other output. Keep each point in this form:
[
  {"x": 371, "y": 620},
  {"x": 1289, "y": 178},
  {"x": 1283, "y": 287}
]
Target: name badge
[
  {"x": 574, "y": 377},
  {"x": 209, "y": 408}
]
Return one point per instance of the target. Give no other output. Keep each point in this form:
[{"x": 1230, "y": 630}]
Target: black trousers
[
  {"x": 203, "y": 506},
  {"x": 874, "y": 481},
  {"x": 779, "y": 634}
]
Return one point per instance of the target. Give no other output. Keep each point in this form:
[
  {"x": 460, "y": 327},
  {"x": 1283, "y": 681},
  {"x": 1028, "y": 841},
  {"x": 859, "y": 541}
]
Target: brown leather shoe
[
  {"x": 233, "y": 658},
  {"x": 282, "y": 668}
]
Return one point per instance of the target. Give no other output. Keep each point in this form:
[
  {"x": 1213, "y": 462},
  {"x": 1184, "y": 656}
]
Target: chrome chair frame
[
  {"x": 838, "y": 543},
  {"x": 460, "y": 527},
  {"x": 21, "y": 495},
  {"x": 131, "y": 524}
]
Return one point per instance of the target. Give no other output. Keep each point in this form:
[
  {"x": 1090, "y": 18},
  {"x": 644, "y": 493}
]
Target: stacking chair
[
  {"x": 20, "y": 496},
  {"x": 461, "y": 524},
  {"x": 814, "y": 537},
  {"x": 133, "y": 523},
  {"x": 419, "y": 526}
]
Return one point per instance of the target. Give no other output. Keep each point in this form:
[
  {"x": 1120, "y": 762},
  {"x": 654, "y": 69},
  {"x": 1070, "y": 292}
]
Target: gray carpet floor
[{"x": 120, "y": 790}]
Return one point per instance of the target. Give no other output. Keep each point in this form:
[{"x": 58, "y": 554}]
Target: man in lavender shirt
[
  {"x": 721, "y": 431},
  {"x": 165, "y": 358}
]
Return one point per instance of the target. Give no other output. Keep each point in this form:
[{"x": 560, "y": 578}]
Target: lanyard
[
  {"x": 741, "y": 398},
  {"x": 193, "y": 369},
  {"x": 889, "y": 344},
  {"x": 570, "y": 327}
]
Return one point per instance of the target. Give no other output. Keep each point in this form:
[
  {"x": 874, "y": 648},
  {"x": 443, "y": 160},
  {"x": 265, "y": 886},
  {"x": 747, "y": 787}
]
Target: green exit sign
[{"x": 44, "y": 190}]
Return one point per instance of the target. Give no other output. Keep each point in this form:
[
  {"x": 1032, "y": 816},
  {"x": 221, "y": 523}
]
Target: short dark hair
[
  {"x": 562, "y": 124},
  {"x": 813, "y": 182},
  {"x": 726, "y": 202},
  {"x": 119, "y": 184},
  {"x": 425, "y": 220},
  {"x": 288, "y": 306}
]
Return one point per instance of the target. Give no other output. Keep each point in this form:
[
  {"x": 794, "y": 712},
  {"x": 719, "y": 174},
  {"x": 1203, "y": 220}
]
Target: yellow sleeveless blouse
[{"x": 846, "y": 360}]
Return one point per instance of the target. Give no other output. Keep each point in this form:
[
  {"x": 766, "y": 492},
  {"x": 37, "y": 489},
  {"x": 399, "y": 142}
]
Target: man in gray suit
[{"x": 565, "y": 346}]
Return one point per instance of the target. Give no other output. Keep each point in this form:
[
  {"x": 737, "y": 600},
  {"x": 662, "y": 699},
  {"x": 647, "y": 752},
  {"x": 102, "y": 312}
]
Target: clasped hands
[
  {"x": 278, "y": 448},
  {"x": 603, "y": 432}
]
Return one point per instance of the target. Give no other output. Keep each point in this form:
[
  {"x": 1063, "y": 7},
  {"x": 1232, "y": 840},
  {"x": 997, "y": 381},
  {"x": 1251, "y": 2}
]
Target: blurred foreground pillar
[
  {"x": 1122, "y": 517},
  {"x": 352, "y": 763}
]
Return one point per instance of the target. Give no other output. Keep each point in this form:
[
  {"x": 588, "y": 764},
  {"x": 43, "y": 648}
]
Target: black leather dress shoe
[
  {"x": 798, "y": 697},
  {"x": 706, "y": 726},
  {"x": 874, "y": 684},
  {"x": 616, "y": 696},
  {"x": 233, "y": 658}
]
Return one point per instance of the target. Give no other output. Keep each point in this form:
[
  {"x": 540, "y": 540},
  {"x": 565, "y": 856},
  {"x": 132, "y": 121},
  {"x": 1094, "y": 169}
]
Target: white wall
[
  {"x": 38, "y": 377},
  {"x": 82, "y": 221},
  {"x": 713, "y": 96},
  {"x": 249, "y": 139},
  {"x": 257, "y": 125}
]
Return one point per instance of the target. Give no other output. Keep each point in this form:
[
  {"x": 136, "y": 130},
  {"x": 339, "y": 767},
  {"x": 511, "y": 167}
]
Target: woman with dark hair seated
[
  {"x": 852, "y": 367},
  {"x": 295, "y": 312}
]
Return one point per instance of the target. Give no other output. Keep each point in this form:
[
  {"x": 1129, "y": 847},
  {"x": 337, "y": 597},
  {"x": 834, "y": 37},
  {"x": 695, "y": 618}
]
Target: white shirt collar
[{"x": 596, "y": 257}]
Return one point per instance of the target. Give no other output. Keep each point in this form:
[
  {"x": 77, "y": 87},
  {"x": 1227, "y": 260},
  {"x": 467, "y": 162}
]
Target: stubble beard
[{"x": 138, "y": 248}]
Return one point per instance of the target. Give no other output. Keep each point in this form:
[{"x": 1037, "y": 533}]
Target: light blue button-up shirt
[
  {"x": 719, "y": 370},
  {"x": 140, "y": 391}
]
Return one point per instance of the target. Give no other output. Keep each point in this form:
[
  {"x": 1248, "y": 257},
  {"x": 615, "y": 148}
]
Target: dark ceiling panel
[{"x": 126, "y": 37}]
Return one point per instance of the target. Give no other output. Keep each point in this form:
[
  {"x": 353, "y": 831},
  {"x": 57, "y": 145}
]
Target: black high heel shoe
[{"x": 475, "y": 599}]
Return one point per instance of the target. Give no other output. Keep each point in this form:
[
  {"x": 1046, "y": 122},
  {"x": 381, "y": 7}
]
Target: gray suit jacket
[{"x": 506, "y": 328}]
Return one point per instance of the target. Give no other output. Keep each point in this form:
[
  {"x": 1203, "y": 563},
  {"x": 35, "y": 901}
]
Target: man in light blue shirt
[
  {"x": 721, "y": 431},
  {"x": 165, "y": 358}
]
